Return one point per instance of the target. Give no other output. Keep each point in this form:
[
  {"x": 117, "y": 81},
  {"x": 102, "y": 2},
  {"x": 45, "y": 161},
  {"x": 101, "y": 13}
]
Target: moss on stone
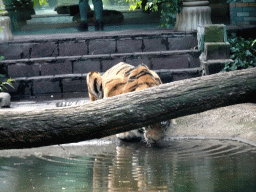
[{"x": 214, "y": 33}]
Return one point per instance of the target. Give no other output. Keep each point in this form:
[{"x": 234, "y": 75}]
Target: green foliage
[
  {"x": 168, "y": 9},
  {"x": 243, "y": 53},
  {"x": 2, "y": 83},
  {"x": 41, "y": 2},
  {"x": 135, "y": 4}
]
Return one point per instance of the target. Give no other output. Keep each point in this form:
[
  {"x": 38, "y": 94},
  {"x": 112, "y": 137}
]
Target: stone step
[
  {"x": 217, "y": 50},
  {"x": 83, "y": 64},
  {"x": 74, "y": 85},
  {"x": 94, "y": 43},
  {"x": 214, "y": 66}
]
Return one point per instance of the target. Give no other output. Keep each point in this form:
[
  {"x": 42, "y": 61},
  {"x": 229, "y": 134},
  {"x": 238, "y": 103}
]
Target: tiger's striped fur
[{"x": 123, "y": 78}]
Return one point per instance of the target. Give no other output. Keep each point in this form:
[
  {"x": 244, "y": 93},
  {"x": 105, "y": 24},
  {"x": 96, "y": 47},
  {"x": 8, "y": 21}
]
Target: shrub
[
  {"x": 167, "y": 8},
  {"x": 243, "y": 53},
  {"x": 3, "y": 84}
]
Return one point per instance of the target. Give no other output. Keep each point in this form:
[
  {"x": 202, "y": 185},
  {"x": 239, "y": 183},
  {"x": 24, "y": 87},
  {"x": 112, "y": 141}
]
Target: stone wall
[{"x": 243, "y": 13}]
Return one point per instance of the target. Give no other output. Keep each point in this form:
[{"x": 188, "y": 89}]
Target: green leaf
[
  {"x": 253, "y": 42},
  {"x": 248, "y": 53}
]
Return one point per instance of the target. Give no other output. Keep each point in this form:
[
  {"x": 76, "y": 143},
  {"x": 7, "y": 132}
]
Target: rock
[{"x": 5, "y": 99}]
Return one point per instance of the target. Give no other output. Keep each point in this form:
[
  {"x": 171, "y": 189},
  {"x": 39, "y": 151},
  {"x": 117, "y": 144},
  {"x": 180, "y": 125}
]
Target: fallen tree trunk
[{"x": 19, "y": 129}]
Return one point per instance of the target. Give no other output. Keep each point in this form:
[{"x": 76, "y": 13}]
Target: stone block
[
  {"x": 233, "y": 21},
  {"x": 213, "y": 66},
  {"x": 74, "y": 85},
  {"x": 182, "y": 43},
  {"x": 214, "y": 33},
  {"x": 102, "y": 46},
  {"x": 156, "y": 44},
  {"x": 15, "y": 51},
  {"x": 243, "y": 23},
  {"x": 44, "y": 49},
  {"x": 248, "y": 1},
  {"x": 250, "y": 19},
  {"x": 194, "y": 61},
  {"x": 108, "y": 63},
  {"x": 172, "y": 62},
  {"x": 129, "y": 45},
  {"x": 137, "y": 61},
  {"x": 217, "y": 50},
  {"x": 249, "y": 9},
  {"x": 55, "y": 67},
  {"x": 252, "y": 14},
  {"x": 233, "y": 14},
  {"x": 236, "y": 9},
  {"x": 238, "y": 19},
  {"x": 46, "y": 85},
  {"x": 242, "y": 14},
  {"x": 186, "y": 74},
  {"x": 23, "y": 70},
  {"x": 72, "y": 48},
  {"x": 22, "y": 86},
  {"x": 86, "y": 66}
]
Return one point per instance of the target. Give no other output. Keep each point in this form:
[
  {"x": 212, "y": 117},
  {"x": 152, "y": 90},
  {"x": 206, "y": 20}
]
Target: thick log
[{"x": 19, "y": 129}]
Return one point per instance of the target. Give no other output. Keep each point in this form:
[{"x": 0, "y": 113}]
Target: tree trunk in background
[{"x": 19, "y": 129}]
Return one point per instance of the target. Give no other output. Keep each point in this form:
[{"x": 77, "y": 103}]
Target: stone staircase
[{"x": 55, "y": 66}]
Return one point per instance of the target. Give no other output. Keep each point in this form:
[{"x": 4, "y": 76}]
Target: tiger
[{"x": 124, "y": 78}]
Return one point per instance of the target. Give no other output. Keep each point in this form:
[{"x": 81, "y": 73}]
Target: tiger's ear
[{"x": 94, "y": 84}]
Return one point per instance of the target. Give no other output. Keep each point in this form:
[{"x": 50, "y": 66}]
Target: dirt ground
[{"x": 236, "y": 122}]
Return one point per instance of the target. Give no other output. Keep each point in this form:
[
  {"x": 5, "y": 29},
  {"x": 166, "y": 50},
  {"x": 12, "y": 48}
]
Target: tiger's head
[
  {"x": 124, "y": 78},
  {"x": 155, "y": 133}
]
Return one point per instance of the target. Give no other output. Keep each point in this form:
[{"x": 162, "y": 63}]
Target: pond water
[{"x": 179, "y": 165}]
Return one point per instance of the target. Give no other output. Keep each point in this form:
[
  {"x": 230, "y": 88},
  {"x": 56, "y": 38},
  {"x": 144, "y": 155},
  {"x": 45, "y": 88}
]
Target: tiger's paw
[{"x": 134, "y": 135}]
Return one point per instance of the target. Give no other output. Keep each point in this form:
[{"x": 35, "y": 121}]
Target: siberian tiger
[{"x": 124, "y": 78}]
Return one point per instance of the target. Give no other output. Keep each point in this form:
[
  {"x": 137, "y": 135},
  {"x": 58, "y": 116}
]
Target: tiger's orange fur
[{"x": 123, "y": 78}]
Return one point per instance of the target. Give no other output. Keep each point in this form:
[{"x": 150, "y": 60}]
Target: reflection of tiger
[{"x": 124, "y": 78}]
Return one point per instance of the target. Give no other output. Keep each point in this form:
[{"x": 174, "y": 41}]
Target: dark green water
[{"x": 180, "y": 165}]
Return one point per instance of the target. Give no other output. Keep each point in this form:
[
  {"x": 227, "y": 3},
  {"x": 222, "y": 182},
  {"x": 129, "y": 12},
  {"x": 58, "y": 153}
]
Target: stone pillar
[
  {"x": 5, "y": 31},
  {"x": 193, "y": 14},
  {"x": 5, "y": 99},
  {"x": 5, "y": 22},
  {"x": 19, "y": 12}
]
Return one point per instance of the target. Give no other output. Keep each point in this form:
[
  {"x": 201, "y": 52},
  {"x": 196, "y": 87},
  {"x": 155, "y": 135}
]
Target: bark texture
[{"x": 20, "y": 129}]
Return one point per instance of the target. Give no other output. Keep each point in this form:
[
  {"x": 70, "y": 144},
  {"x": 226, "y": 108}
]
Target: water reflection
[{"x": 186, "y": 165}]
